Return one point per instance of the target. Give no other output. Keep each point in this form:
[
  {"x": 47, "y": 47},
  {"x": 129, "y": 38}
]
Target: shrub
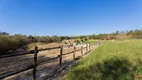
[{"x": 8, "y": 43}]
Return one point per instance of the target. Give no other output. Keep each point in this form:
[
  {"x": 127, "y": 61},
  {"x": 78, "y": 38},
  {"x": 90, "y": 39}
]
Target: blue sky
[{"x": 69, "y": 17}]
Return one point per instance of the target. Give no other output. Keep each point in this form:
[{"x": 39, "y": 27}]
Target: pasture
[{"x": 114, "y": 60}]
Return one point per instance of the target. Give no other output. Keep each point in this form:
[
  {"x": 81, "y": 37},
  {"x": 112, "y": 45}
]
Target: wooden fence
[{"x": 89, "y": 46}]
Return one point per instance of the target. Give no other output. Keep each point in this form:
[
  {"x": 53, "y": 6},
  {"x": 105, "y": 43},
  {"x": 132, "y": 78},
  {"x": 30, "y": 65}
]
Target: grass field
[{"x": 114, "y": 60}]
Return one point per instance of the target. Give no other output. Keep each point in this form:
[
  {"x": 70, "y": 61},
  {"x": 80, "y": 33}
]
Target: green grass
[{"x": 114, "y": 60}]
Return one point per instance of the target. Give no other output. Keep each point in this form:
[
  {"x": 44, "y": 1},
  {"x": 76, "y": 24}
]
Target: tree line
[
  {"x": 120, "y": 35},
  {"x": 12, "y": 42}
]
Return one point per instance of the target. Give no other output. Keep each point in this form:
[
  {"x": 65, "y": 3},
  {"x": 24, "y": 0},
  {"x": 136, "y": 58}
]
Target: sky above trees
[{"x": 69, "y": 17}]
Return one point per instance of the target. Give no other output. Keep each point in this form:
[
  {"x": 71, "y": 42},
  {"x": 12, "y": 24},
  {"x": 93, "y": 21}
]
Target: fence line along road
[{"x": 89, "y": 46}]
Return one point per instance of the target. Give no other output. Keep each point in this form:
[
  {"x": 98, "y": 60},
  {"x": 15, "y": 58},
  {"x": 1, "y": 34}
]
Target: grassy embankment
[{"x": 114, "y": 60}]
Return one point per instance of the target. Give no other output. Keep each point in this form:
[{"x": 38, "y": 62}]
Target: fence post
[
  {"x": 86, "y": 48},
  {"x": 35, "y": 63},
  {"x": 74, "y": 52},
  {"x": 61, "y": 52},
  {"x": 92, "y": 46},
  {"x": 89, "y": 46},
  {"x": 81, "y": 50}
]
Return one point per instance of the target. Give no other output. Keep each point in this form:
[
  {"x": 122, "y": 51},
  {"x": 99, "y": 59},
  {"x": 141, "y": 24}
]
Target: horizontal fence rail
[
  {"x": 17, "y": 54},
  {"x": 89, "y": 46},
  {"x": 27, "y": 52}
]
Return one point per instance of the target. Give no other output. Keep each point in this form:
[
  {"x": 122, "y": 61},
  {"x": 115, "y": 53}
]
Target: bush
[
  {"x": 55, "y": 39},
  {"x": 77, "y": 41},
  {"x": 8, "y": 43}
]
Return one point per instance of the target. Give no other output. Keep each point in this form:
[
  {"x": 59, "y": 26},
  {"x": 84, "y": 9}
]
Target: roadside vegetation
[
  {"x": 114, "y": 60},
  {"x": 91, "y": 41},
  {"x": 9, "y": 43}
]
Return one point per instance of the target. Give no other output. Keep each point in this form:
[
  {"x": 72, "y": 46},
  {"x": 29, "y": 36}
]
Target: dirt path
[{"x": 45, "y": 70}]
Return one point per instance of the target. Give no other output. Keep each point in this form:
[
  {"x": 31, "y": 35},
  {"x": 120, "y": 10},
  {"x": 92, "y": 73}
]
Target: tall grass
[{"x": 114, "y": 60}]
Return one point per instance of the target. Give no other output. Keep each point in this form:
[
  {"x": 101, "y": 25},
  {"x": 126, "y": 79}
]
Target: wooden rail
[{"x": 89, "y": 46}]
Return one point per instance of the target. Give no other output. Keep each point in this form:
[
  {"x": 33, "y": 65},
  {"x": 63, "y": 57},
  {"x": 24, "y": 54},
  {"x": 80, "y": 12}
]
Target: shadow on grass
[{"x": 113, "y": 69}]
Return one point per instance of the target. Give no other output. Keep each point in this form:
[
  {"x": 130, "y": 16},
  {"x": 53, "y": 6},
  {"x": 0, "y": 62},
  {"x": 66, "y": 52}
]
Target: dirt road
[{"x": 45, "y": 70}]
